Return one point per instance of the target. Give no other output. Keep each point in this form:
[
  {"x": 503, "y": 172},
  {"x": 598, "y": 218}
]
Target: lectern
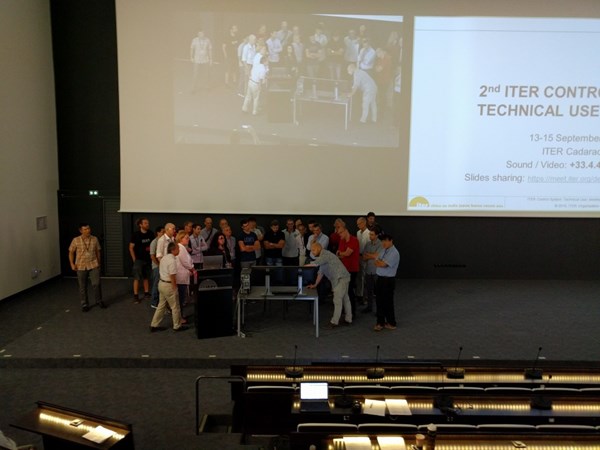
[{"x": 213, "y": 312}]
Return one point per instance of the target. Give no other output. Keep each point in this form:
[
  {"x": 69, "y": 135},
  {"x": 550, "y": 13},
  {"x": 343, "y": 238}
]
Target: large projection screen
[{"x": 482, "y": 107}]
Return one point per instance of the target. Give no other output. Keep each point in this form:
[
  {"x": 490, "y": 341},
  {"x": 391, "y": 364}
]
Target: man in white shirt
[
  {"x": 363, "y": 238},
  {"x": 247, "y": 59},
  {"x": 274, "y": 48},
  {"x": 366, "y": 57},
  {"x": 167, "y": 287},
  {"x": 352, "y": 45},
  {"x": 257, "y": 78}
]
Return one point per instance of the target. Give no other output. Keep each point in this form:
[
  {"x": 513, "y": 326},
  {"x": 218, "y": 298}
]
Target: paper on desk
[
  {"x": 398, "y": 407},
  {"x": 374, "y": 407},
  {"x": 98, "y": 435},
  {"x": 391, "y": 442},
  {"x": 357, "y": 443}
]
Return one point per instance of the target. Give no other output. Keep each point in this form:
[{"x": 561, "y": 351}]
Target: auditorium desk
[
  {"x": 55, "y": 424},
  {"x": 302, "y": 441}
]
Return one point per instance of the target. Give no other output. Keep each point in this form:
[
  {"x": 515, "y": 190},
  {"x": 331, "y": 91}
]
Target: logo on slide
[{"x": 419, "y": 202}]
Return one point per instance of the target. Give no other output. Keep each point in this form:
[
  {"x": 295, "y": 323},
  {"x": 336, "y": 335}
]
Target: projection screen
[{"x": 471, "y": 108}]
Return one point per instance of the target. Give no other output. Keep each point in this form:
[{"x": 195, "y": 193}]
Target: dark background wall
[{"x": 85, "y": 55}]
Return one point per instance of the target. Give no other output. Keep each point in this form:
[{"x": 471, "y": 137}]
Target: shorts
[{"x": 141, "y": 270}]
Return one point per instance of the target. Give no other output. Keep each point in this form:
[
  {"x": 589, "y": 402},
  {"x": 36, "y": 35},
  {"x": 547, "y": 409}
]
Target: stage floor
[
  {"x": 107, "y": 362},
  {"x": 490, "y": 319}
]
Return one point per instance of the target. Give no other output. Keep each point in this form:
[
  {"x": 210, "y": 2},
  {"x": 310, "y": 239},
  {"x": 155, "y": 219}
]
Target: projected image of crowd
[{"x": 314, "y": 79}]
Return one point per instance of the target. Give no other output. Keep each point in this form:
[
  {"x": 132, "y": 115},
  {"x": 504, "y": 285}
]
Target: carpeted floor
[{"x": 107, "y": 362}]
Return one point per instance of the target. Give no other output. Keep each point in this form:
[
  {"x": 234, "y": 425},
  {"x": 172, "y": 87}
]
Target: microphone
[
  {"x": 294, "y": 371},
  {"x": 344, "y": 401},
  {"x": 375, "y": 373},
  {"x": 534, "y": 373},
  {"x": 456, "y": 373},
  {"x": 539, "y": 401},
  {"x": 444, "y": 402}
]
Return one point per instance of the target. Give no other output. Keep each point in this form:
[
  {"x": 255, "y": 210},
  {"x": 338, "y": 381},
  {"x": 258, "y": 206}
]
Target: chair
[
  {"x": 367, "y": 389},
  {"x": 271, "y": 388},
  {"x": 461, "y": 390},
  {"x": 335, "y": 390},
  {"x": 508, "y": 390},
  {"x": 565, "y": 427},
  {"x": 413, "y": 389},
  {"x": 450, "y": 427},
  {"x": 386, "y": 427},
  {"x": 505, "y": 426},
  {"x": 557, "y": 390},
  {"x": 593, "y": 390},
  {"x": 326, "y": 427}
]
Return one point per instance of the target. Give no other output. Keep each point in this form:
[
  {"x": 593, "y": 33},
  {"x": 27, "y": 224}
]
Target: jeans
[
  {"x": 155, "y": 278},
  {"x": 276, "y": 274},
  {"x": 94, "y": 276}
]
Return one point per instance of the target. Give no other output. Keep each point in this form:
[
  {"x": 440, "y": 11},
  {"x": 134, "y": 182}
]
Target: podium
[{"x": 213, "y": 310}]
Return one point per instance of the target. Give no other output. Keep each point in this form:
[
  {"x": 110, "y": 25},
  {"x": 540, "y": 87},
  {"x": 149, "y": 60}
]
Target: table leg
[
  {"x": 316, "y": 315},
  {"x": 239, "y": 316}
]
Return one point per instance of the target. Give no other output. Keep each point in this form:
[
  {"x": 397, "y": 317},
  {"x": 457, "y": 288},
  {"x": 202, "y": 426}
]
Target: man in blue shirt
[{"x": 386, "y": 267}]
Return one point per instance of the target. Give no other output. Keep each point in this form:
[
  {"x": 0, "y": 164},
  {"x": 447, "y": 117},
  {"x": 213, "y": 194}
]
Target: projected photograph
[{"x": 295, "y": 79}]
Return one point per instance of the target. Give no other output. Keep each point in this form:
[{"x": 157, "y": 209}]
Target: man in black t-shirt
[
  {"x": 274, "y": 241},
  {"x": 139, "y": 249},
  {"x": 248, "y": 243}
]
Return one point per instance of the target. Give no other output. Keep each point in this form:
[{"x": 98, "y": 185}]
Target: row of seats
[
  {"x": 466, "y": 390},
  {"x": 406, "y": 427}
]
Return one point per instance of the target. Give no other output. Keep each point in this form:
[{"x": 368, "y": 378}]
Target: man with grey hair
[
  {"x": 363, "y": 238},
  {"x": 331, "y": 267},
  {"x": 362, "y": 81},
  {"x": 163, "y": 242},
  {"x": 167, "y": 287}
]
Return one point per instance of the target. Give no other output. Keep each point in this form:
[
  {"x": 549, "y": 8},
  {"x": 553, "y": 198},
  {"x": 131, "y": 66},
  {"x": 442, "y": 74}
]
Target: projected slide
[
  {"x": 505, "y": 115},
  {"x": 283, "y": 78}
]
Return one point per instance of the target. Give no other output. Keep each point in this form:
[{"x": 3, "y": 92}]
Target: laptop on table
[{"x": 314, "y": 397}]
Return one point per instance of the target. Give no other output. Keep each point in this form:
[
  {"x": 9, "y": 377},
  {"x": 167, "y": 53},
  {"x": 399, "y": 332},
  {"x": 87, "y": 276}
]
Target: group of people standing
[
  {"x": 359, "y": 268},
  {"x": 372, "y": 63},
  {"x": 165, "y": 262}
]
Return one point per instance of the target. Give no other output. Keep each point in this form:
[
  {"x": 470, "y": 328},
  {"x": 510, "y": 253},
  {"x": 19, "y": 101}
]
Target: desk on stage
[
  {"x": 275, "y": 293},
  {"x": 295, "y": 292},
  {"x": 59, "y": 431},
  {"x": 323, "y": 91}
]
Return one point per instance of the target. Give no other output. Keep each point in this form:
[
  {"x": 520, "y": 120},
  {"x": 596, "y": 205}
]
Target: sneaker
[
  {"x": 181, "y": 328},
  {"x": 85, "y": 308},
  {"x": 332, "y": 325},
  {"x": 153, "y": 306},
  {"x": 155, "y": 329},
  {"x": 102, "y": 305},
  {"x": 390, "y": 326},
  {"x": 377, "y": 328}
]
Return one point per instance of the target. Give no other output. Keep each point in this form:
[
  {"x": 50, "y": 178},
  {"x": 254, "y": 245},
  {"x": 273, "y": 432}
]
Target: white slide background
[{"x": 467, "y": 153}]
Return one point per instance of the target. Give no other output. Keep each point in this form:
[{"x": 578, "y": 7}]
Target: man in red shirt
[{"x": 349, "y": 253}]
